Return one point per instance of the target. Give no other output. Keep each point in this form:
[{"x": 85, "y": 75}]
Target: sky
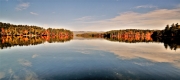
[{"x": 91, "y": 15}]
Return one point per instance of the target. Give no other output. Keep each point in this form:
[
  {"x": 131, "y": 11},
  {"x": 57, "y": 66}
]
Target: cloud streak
[
  {"x": 145, "y": 6},
  {"x": 22, "y": 6},
  {"x": 33, "y": 13},
  {"x": 156, "y": 19},
  {"x": 84, "y": 18}
]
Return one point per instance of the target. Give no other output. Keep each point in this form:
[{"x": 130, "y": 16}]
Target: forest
[
  {"x": 12, "y": 35},
  {"x": 7, "y": 29},
  {"x": 172, "y": 31},
  {"x": 170, "y": 36},
  {"x": 128, "y": 33},
  {"x": 24, "y": 35}
]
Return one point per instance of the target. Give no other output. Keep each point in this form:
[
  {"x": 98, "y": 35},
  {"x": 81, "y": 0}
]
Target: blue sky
[{"x": 91, "y": 15}]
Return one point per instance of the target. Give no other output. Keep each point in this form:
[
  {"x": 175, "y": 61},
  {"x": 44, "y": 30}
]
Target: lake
[{"x": 90, "y": 59}]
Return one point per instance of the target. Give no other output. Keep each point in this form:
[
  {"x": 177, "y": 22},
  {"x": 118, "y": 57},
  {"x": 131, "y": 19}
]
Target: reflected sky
[
  {"x": 154, "y": 52},
  {"x": 90, "y": 59}
]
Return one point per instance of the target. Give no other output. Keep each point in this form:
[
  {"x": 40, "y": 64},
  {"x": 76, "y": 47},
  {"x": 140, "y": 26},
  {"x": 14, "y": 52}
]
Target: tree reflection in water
[
  {"x": 10, "y": 41},
  {"x": 172, "y": 43}
]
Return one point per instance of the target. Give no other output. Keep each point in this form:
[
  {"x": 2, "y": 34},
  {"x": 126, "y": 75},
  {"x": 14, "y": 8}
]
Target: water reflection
[
  {"x": 149, "y": 51},
  {"x": 10, "y": 41},
  {"x": 19, "y": 72},
  {"x": 171, "y": 43},
  {"x": 97, "y": 59},
  {"x": 130, "y": 39}
]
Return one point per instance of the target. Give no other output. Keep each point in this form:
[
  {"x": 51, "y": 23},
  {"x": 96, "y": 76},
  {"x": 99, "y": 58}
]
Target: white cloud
[
  {"x": 22, "y": 6},
  {"x": 33, "y": 13},
  {"x": 178, "y": 6},
  {"x": 84, "y": 18},
  {"x": 156, "y": 19},
  {"x": 143, "y": 64},
  {"x": 145, "y": 6}
]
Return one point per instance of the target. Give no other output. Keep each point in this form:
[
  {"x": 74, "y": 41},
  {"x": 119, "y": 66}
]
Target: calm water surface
[{"x": 94, "y": 59}]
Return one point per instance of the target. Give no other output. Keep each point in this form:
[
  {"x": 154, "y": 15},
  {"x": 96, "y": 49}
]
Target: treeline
[
  {"x": 24, "y": 35},
  {"x": 172, "y": 31},
  {"x": 10, "y": 41},
  {"x": 119, "y": 33},
  {"x": 170, "y": 36},
  {"x": 128, "y": 35},
  {"x": 7, "y": 29},
  {"x": 91, "y": 35}
]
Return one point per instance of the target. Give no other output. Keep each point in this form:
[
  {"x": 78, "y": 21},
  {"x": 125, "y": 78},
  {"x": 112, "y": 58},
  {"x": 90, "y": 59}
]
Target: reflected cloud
[
  {"x": 19, "y": 73},
  {"x": 10, "y": 71},
  {"x": 119, "y": 75},
  {"x": 24, "y": 62},
  {"x": 2, "y": 75},
  {"x": 27, "y": 75},
  {"x": 84, "y": 51},
  {"x": 153, "y": 52},
  {"x": 35, "y": 55},
  {"x": 16, "y": 77},
  {"x": 30, "y": 75}
]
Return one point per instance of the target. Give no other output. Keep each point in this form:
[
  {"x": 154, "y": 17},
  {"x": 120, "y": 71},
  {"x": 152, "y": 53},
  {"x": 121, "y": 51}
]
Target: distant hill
[{"x": 82, "y": 32}]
